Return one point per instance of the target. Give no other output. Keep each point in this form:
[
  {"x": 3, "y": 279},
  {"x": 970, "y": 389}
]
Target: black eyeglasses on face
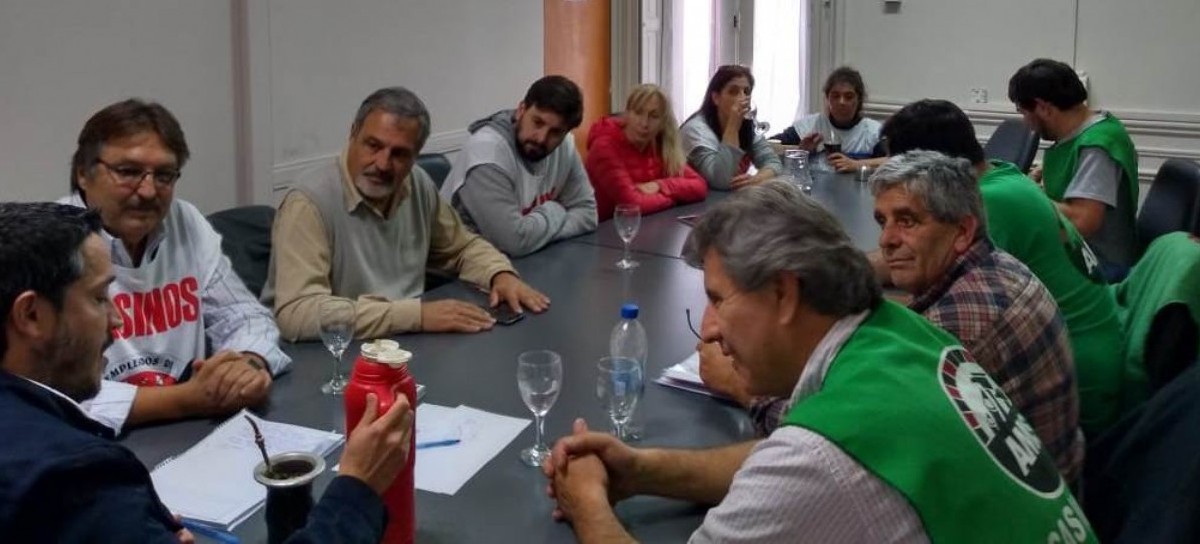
[
  {"x": 128, "y": 175},
  {"x": 688, "y": 312}
]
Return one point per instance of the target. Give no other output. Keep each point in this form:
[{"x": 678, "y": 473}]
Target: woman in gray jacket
[{"x": 721, "y": 142}]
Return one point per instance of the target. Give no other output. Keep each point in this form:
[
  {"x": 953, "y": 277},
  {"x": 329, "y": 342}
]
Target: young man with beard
[
  {"x": 519, "y": 181},
  {"x": 1091, "y": 170}
]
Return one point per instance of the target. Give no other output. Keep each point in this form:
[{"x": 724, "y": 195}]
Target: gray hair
[
  {"x": 398, "y": 101},
  {"x": 772, "y": 228},
  {"x": 946, "y": 185}
]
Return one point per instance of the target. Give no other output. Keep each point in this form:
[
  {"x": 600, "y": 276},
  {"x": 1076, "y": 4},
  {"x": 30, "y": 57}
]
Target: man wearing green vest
[
  {"x": 1022, "y": 221},
  {"x": 1091, "y": 169},
  {"x": 893, "y": 434}
]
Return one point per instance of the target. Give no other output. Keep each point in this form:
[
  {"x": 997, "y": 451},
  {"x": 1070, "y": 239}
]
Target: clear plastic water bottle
[
  {"x": 628, "y": 339},
  {"x": 795, "y": 166}
]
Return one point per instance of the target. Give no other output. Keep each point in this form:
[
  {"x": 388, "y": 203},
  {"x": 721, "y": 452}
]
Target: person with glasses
[
  {"x": 721, "y": 141},
  {"x": 174, "y": 289}
]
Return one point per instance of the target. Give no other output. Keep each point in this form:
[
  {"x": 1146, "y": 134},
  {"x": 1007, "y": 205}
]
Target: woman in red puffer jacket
[{"x": 637, "y": 158}]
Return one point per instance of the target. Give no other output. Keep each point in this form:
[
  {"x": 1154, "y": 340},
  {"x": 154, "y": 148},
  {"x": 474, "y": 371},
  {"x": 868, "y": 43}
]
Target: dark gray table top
[
  {"x": 663, "y": 234},
  {"x": 505, "y": 501}
]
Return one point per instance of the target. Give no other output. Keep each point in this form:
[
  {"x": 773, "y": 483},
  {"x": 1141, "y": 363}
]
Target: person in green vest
[
  {"x": 1022, "y": 221},
  {"x": 1161, "y": 290},
  {"x": 893, "y": 432},
  {"x": 1091, "y": 170},
  {"x": 934, "y": 246}
]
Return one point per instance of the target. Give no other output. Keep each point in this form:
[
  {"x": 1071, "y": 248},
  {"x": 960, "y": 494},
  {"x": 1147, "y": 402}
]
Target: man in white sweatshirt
[
  {"x": 519, "y": 181},
  {"x": 173, "y": 286}
]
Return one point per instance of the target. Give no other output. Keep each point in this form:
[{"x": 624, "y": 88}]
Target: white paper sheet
[
  {"x": 685, "y": 375},
  {"x": 482, "y": 435},
  {"x": 213, "y": 482}
]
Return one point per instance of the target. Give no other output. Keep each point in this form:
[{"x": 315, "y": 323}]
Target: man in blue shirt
[{"x": 62, "y": 478}]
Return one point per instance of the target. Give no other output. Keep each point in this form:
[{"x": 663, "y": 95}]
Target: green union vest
[
  {"x": 1060, "y": 160},
  {"x": 1024, "y": 222},
  {"x": 907, "y": 402}
]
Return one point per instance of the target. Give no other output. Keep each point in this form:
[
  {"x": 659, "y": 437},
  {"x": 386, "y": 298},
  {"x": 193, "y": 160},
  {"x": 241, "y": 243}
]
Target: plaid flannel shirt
[{"x": 1007, "y": 319}]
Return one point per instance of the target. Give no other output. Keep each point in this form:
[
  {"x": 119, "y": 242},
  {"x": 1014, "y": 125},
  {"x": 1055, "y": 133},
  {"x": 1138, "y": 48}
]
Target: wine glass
[
  {"x": 627, "y": 219},
  {"x": 336, "y": 317},
  {"x": 539, "y": 377},
  {"x": 760, "y": 127},
  {"x": 619, "y": 388}
]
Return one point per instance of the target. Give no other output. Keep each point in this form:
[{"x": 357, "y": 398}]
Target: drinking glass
[
  {"x": 760, "y": 127},
  {"x": 619, "y": 387},
  {"x": 833, "y": 142},
  {"x": 539, "y": 377},
  {"x": 336, "y": 317},
  {"x": 795, "y": 164},
  {"x": 627, "y": 219}
]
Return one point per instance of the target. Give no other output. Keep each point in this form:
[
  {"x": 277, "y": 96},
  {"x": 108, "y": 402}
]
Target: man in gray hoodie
[{"x": 519, "y": 181}]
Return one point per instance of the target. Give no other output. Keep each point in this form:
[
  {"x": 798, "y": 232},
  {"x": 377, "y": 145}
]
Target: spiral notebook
[{"x": 212, "y": 483}]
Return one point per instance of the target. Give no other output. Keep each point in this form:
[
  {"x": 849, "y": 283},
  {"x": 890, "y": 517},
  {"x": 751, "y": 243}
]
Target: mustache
[
  {"x": 152, "y": 205},
  {"x": 375, "y": 172}
]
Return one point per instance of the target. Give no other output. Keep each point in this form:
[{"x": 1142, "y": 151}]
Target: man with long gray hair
[
  {"x": 892, "y": 434},
  {"x": 365, "y": 226}
]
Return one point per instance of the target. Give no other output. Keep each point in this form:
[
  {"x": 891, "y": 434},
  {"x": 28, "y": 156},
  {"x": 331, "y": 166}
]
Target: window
[{"x": 697, "y": 38}]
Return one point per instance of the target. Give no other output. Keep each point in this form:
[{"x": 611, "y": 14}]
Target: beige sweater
[{"x": 327, "y": 241}]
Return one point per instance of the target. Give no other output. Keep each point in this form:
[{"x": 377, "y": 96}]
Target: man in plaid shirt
[{"x": 935, "y": 247}]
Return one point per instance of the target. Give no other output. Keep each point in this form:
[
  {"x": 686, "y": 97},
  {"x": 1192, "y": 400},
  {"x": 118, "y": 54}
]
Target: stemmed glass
[
  {"x": 336, "y": 317},
  {"x": 539, "y": 377},
  {"x": 627, "y": 219},
  {"x": 760, "y": 127},
  {"x": 619, "y": 387}
]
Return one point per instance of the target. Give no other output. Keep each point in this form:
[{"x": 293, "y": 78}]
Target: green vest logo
[{"x": 997, "y": 424}]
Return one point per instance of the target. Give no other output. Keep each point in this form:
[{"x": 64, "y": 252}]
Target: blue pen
[
  {"x": 438, "y": 444},
  {"x": 200, "y": 529}
]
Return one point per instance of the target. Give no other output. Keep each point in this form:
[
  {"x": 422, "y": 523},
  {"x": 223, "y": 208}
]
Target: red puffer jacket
[{"x": 615, "y": 168}]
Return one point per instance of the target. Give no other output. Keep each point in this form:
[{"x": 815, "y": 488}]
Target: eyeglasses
[
  {"x": 688, "y": 312},
  {"x": 132, "y": 176}
]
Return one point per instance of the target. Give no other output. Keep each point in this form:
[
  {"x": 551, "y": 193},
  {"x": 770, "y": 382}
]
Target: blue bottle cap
[{"x": 629, "y": 311}]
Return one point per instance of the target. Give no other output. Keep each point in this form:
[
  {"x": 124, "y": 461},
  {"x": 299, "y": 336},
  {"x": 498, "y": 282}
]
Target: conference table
[{"x": 506, "y": 501}]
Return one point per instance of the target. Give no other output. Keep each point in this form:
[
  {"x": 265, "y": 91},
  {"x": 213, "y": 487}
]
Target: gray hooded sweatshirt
[{"x": 519, "y": 206}]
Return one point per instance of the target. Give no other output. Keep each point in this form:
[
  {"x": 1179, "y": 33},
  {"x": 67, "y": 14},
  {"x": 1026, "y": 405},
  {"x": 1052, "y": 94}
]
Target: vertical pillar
[{"x": 577, "y": 45}]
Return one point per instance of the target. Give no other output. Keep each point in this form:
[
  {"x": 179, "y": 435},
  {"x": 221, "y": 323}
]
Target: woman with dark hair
[
  {"x": 721, "y": 142},
  {"x": 857, "y": 138}
]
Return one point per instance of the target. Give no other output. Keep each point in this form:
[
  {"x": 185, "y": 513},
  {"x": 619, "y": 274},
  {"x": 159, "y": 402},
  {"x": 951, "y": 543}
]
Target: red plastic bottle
[{"x": 382, "y": 368}]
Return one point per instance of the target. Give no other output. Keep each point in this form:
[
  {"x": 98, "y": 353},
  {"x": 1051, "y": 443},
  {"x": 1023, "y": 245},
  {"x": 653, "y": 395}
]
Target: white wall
[
  {"x": 1142, "y": 59},
  {"x": 263, "y": 88},
  {"x": 464, "y": 58},
  {"x": 61, "y": 61}
]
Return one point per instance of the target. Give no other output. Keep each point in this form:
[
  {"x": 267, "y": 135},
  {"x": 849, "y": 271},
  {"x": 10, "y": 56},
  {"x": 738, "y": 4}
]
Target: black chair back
[
  {"x": 1142, "y": 475},
  {"x": 1173, "y": 202},
  {"x": 1012, "y": 142},
  {"x": 246, "y": 240},
  {"x": 436, "y": 165}
]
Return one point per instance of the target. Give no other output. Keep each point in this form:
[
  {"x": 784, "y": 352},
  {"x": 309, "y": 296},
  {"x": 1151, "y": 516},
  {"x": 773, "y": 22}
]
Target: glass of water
[
  {"x": 795, "y": 163},
  {"x": 539, "y": 377},
  {"x": 627, "y": 219},
  {"x": 336, "y": 317},
  {"x": 619, "y": 388}
]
